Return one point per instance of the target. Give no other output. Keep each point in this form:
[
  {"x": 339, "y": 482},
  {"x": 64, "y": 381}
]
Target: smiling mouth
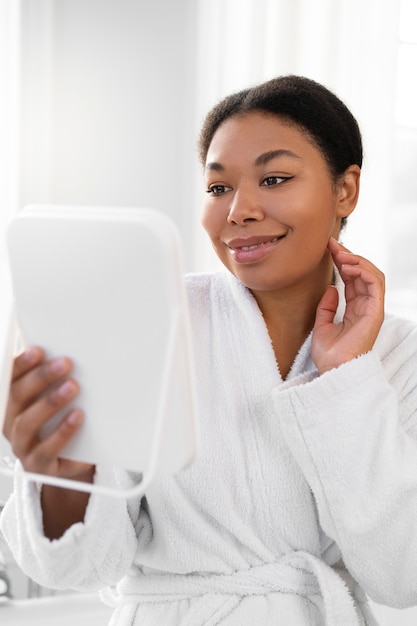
[
  {"x": 250, "y": 250},
  {"x": 258, "y": 245},
  {"x": 252, "y": 243}
]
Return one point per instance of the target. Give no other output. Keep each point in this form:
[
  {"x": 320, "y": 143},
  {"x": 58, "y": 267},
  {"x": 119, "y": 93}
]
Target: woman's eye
[
  {"x": 218, "y": 190},
  {"x": 270, "y": 181}
]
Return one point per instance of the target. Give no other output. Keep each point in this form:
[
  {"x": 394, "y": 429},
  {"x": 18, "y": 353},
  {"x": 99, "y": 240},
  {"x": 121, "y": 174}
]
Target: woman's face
[{"x": 271, "y": 203}]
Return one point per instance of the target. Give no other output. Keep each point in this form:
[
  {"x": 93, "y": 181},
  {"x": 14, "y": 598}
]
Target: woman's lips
[{"x": 253, "y": 248}]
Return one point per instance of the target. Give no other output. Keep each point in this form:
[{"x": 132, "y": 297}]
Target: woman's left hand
[{"x": 336, "y": 343}]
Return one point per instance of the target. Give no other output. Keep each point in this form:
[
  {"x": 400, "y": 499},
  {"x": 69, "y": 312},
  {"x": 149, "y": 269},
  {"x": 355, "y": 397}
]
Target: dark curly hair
[{"x": 310, "y": 106}]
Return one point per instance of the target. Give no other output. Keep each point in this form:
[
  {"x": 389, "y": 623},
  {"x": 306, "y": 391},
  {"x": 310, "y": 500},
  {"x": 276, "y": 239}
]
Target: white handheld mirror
[{"x": 104, "y": 286}]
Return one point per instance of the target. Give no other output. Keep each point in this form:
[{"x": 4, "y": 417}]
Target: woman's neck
[{"x": 289, "y": 317}]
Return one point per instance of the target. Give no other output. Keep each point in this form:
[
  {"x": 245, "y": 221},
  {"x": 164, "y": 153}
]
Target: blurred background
[{"x": 101, "y": 102}]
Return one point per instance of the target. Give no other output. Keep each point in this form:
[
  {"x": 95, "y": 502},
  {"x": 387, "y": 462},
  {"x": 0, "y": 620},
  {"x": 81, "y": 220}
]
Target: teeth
[{"x": 259, "y": 244}]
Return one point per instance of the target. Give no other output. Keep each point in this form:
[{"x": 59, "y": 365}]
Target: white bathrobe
[{"x": 303, "y": 497}]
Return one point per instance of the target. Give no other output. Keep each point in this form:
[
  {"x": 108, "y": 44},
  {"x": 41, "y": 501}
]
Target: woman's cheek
[
  {"x": 212, "y": 219},
  {"x": 204, "y": 217}
]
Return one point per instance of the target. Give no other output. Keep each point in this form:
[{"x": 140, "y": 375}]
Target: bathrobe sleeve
[
  {"x": 353, "y": 432},
  {"x": 90, "y": 555}
]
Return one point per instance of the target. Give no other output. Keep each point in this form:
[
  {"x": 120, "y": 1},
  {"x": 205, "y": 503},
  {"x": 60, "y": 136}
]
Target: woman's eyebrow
[
  {"x": 264, "y": 158},
  {"x": 217, "y": 167}
]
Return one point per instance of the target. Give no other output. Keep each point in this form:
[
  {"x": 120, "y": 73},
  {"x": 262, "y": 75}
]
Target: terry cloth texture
[{"x": 303, "y": 498}]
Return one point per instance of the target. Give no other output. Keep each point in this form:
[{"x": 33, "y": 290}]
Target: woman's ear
[{"x": 348, "y": 190}]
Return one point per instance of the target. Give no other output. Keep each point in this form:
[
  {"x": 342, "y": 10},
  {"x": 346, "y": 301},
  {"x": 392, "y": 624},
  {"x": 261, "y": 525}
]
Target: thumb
[{"x": 327, "y": 307}]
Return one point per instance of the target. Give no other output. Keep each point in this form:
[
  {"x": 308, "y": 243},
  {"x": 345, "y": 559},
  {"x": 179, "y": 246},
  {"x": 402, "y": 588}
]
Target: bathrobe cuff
[
  {"x": 105, "y": 542},
  {"x": 309, "y": 392}
]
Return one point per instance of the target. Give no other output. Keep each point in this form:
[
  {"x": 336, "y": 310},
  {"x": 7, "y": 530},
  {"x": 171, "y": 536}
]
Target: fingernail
[
  {"x": 30, "y": 355},
  {"x": 59, "y": 366},
  {"x": 75, "y": 417},
  {"x": 67, "y": 389}
]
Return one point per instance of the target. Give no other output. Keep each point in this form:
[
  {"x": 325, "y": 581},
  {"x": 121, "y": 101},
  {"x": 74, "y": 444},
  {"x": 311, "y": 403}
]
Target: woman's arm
[
  {"x": 62, "y": 538},
  {"x": 38, "y": 390},
  {"x": 336, "y": 342},
  {"x": 352, "y": 433},
  {"x": 90, "y": 554}
]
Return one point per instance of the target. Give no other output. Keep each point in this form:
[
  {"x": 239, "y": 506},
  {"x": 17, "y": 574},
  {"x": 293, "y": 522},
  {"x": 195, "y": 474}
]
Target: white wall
[{"x": 107, "y": 96}]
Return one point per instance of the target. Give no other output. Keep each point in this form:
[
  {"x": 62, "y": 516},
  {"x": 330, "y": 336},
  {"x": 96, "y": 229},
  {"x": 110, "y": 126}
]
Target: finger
[
  {"x": 36, "y": 381},
  {"x": 26, "y": 427},
  {"x": 26, "y": 361},
  {"x": 335, "y": 246},
  {"x": 364, "y": 291},
  {"x": 342, "y": 255},
  {"x": 344, "y": 258},
  {"x": 365, "y": 275},
  {"x": 43, "y": 458},
  {"x": 327, "y": 307}
]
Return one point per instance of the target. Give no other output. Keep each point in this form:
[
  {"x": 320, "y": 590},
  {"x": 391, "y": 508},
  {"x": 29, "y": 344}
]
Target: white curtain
[
  {"x": 9, "y": 136},
  {"x": 9, "y": 107},
  {"x": 348, "y": 45},
  {"x": 9, "y": 175}
]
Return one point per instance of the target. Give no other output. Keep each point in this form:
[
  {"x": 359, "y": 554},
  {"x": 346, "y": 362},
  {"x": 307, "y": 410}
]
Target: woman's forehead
[{"x": 256, "y": 134}]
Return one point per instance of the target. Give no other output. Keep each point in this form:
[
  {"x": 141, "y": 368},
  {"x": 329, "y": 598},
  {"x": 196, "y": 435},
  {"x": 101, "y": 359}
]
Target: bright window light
[
  {"x": 408, "y": 21},
  {"x": 406, "y": 106}
]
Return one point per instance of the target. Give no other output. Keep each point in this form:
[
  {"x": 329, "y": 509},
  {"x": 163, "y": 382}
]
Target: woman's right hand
[{"x": 39, "y": 389}]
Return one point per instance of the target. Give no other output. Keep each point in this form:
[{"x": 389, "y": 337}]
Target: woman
[{"x": 304, "y": 496}]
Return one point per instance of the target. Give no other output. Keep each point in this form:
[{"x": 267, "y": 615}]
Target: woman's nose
[{"x": 244, "y": 207}]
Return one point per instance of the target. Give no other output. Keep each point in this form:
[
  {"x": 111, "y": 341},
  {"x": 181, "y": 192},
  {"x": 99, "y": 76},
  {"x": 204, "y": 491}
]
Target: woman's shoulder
[
  {"x": 216, "y": 295},
  {"x": 199, "y": 281},
  {"x": 397, "y": 338},
  {"x": 210, "y": 286},
  {"x": 203, "y": 290},
  {"x": 203, "y": 280},
  {"x": 399, "y": 327}
]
